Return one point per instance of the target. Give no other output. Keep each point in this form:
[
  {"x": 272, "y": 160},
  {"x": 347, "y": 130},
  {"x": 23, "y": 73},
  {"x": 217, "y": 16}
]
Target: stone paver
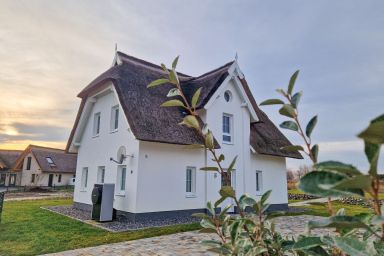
[{"x": 186, "y": 243}]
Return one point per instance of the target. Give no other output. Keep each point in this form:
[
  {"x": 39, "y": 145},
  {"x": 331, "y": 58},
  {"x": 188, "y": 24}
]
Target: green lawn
[
  {"x": 26, "y": 229},
  {"x": 295, "y": 191},
  {"x": 321, "y": 210}
]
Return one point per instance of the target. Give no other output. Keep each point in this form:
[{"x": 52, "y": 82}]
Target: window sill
[
  {"x": 96, "y": 136},
  {"x": 83, "y": 190},
  {"x": 114, "y": 131},
  {"x": 190, "y": 196},
  {"x": 121, "y": 194},
  {"x": 227, "y": 143}
]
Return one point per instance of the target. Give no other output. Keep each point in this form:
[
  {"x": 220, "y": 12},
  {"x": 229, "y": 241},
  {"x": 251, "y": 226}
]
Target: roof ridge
[
  {"x": 146, "y": 63},
  {"x": 44, "y": 147},
  {"x": 216, "y": 69}
]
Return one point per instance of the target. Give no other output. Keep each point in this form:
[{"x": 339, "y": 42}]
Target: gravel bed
[{"x": 120, "y": 224}]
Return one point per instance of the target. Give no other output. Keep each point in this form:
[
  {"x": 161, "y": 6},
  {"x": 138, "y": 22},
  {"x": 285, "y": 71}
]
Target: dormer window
[
  {"x": 96, "y": 124},
  {"x": 50, "y": 161},
  {"x": 227, "y": 128}
]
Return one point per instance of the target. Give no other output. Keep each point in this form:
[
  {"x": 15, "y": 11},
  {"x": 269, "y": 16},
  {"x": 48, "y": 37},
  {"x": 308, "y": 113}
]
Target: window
[
  {"x": 84, "y": 178},
  {"x": 100, "y": 174},
  {"x": 121, "y": 176},
  {"x": 190, "y": 181},
  {"x": 29, "y": 160},
  {"x": 96, "y": 124},
  {"x": 50, "y": 161},
  {"x": 259, "y": 182},
  {"x": 59, "y": 179},
  {"x": 227, "y": 128},
  {"x": 114, "y": 118},
  {"x": 2, "y": 179},
  {"x": 33, "y": 178},
  {"x": 227, "y": 96}
]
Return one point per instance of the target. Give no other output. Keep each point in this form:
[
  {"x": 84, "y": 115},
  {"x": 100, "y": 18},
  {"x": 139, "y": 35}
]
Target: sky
[{"x": 50, "y": 50}]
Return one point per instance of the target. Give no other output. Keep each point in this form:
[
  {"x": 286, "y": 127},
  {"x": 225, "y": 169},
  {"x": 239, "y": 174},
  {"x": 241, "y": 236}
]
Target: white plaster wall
[
  {"x": 96, "y": 151},
  {"x": 162, "y": 177},
  {"x": 26, "y": 175},
  {"x": 274, "y": 177},
  {"x": 240, "y": 145}
]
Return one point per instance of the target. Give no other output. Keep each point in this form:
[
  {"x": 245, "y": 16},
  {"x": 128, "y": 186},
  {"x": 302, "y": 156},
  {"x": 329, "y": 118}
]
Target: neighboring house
[
  {"x": 7, "y": 160},
  {"x": 42, "y": 166},
  {"x": 159, "y": 176}
]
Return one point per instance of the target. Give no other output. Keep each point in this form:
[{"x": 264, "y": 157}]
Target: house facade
[
  {"x": 40, "y": 166},
  {"x": 158, "y": 175},
  {"x": 7, "y": 160}
]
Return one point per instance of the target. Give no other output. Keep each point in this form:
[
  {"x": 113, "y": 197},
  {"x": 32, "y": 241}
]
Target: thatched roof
[
  {"x": 62, "y": 162},
  {"x": 146, "y": 119},
  {"x": 8, "y": 158}
]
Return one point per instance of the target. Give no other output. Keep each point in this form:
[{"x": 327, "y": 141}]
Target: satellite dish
[{"x": 121, "y": 154}]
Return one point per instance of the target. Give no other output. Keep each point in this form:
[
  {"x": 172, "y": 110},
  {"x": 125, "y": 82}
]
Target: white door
[{"x": 229, "y": 201}]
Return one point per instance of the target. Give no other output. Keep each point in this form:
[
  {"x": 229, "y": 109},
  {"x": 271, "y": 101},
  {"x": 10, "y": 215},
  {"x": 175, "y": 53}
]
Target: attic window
[
  {"x": 227, "y": 96},
  {"x": 50, "y": 161}
]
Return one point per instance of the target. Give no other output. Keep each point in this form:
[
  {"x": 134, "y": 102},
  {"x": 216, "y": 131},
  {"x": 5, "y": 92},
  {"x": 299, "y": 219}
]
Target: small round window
[{"x": 227, "y": 96}]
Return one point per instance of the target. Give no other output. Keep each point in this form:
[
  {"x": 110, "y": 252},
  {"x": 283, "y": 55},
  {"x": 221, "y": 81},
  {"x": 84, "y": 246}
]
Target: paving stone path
[{"x": 186, "y": 243}]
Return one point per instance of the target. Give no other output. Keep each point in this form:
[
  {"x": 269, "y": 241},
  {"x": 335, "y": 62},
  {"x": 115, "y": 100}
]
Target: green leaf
[
  {"x": 209, "y": 140},
  {"x": 351, "y": 246},
  {"x": 290, "y": 125},
  {"x": 174, "y": 63},
  {"x": 372, "y": 152},
  {"x": 209, "y": 169},
  {"x": 232, "y": 165},
  {"x": 246, "y": 200},
  {"x": 292, "y": 81},
  {"x": 338, "y": 167},
  {"x": 158, "y": 82},
  {"x": 173, "y": 77},
  {"x": 265, "y": 196},
  {"x": 287, "y": 110},
  {"x": 374, "y": 133},
  {"x": 292, "y": 148},
  {"x": 191, "y": 121},
  {"x": 321, "y": 184},
  {"x": 282, "y": 92},
  {"x": 227, "y": 191},
  {"x": 358, "y": 182},
  {"x": 221, "y": 158},
  {"x": 307, "y": 242},
  {"x": 210, "y": 208},
  {"x": 296, "y": 99},
  {"x": 218, "y": 202},
  {"x": 310, "y": 126},
  {"x": 315, "y": 152},
  {"x": 164, "y": 68},
  {"x": 173, "y": 92},
  {"x": 196, "y": 97},
  {"x": 207, "y": 223},
  {"x": 337, "y": 222},
  {"x": 271, "y": 102},
  {"x": 173, "y": 103},
  {"x": 234, "y": 230}
]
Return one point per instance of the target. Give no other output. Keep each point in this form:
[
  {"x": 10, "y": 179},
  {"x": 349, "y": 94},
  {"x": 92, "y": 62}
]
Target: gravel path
[
  {"x": 120, "y": 224},
  {"x": 186, "y": 243}
]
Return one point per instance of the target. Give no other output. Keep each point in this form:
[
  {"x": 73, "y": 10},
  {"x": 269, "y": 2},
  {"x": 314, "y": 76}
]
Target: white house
[
  {"x": 159, "y": 175},
  {"x": 42, "y": 166}
]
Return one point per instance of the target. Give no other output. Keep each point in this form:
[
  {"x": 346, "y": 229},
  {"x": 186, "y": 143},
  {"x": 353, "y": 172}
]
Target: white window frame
[
  {"x": 121, "y": 177},
  {"x": 84, "y": 179},
  {"x": 191, "y": 193},
  {"x": 114, "y": 127},
  {"x": 100, "y": 174},
  {"x": 230, "y": 134},
  {"x": 96, "y": 124},
  {"x": 259, "y": 179}
]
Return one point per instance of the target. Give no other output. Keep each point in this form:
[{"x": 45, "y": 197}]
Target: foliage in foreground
[{"x": 251, "y": 232}]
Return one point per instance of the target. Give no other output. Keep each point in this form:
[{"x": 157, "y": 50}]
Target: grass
[
  {"x": 295, "y": 191},
  {"x": 321, "y": 209},
  {"x": 26, "y": 229}
]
